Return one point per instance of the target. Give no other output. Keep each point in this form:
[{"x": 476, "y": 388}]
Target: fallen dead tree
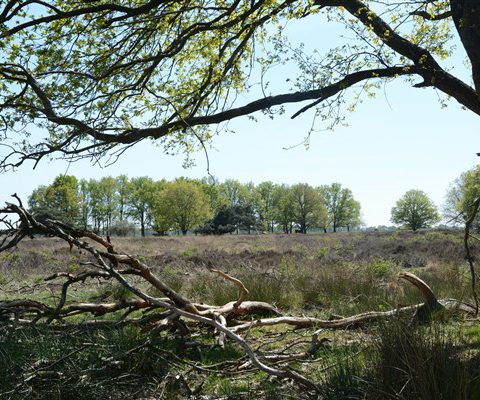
[{"x": 173, "y": 310}]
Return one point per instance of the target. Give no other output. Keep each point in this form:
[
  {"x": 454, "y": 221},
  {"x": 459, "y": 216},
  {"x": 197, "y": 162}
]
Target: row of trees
[{"x": 117, "y": 205}]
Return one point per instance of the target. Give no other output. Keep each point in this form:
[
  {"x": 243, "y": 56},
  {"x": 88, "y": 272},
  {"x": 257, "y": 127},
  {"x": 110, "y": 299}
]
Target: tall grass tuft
[
  {"x": 422, "y": 363},
  {"x": 405, "y": 362}
]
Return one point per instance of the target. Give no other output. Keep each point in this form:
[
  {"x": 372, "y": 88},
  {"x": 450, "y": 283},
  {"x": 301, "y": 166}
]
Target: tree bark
[{"x": 466, "y": 16}]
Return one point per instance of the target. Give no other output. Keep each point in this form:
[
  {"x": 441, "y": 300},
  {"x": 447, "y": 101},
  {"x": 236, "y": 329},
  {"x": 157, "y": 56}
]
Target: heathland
[{"x": 326, "y": 276}]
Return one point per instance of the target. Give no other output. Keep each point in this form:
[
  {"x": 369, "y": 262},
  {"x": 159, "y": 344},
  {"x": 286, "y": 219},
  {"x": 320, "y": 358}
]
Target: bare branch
[{"x": 432, "y": 17}]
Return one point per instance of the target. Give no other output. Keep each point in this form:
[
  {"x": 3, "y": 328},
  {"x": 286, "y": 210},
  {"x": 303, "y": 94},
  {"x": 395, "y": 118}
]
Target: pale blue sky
[{"x": 396, "y": 142}]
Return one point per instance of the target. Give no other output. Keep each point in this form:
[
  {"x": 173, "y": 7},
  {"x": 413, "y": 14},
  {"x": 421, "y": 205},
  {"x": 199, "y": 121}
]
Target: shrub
[{"x": 122, "y": 228}]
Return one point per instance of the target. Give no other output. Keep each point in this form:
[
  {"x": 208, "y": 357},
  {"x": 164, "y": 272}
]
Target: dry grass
[{"x": 340, "y": 273}]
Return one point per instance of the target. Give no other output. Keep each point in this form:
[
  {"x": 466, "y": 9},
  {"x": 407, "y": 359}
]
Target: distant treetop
[{"x": 415, "y": 210}]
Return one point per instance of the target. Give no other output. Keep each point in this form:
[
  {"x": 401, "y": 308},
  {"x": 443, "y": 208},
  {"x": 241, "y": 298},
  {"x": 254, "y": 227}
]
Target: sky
[{"x": 401, "y": 140}]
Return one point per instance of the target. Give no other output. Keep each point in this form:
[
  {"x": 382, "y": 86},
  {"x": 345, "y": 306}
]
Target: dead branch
[
  {"x": 221, "y": 337},
  {"x": 109, "y": 261},
  {"x": 309, "y": 322},
  {"x": 243, "y": 290},
  {"x": 426, "y": 291}
]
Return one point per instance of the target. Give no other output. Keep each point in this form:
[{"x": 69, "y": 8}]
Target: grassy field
[{"x": 314, "y": 275}]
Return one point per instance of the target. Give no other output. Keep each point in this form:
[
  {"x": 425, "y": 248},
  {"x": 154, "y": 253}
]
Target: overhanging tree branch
[
  {"x": 105, "y": 76},
  {"x": 133, "y": 135}
]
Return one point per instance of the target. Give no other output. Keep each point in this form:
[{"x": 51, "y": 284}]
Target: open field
[{"x": 313, "y": 275}]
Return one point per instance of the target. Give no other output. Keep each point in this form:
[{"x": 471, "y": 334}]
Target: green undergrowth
[
  {"x": 392, "y": 360},
  {"x": 407, "y": 362},
  {"x": 115, "y": 364}
]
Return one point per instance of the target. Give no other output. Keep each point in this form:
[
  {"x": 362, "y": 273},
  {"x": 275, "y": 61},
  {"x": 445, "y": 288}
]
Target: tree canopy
[
  {"x": 343, "y": 209},
  {"x": 461, "y": 197},
  {"x": 116, "y": 206},
  {"x": 308, "y": 207},
  {"x": 60, "y": 200},
  {"x": 85, "y": 79},
  {"x": 415, "y": 210},
  {"x": 181, "y": 205}
]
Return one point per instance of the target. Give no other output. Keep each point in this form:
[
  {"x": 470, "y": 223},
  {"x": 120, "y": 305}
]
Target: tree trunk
[
  {"x": 142, "y": 223},
  {"x": 466, "y": 16}
]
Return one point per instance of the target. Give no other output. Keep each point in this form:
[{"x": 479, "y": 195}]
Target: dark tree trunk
[
  {"x": 142, "y": 223},
  {"x": 466, "y": 16},
  {"x": 303, "y": 229}
]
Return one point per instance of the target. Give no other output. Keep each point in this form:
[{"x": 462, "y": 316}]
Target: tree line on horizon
[{"x": 120, "y": 205}]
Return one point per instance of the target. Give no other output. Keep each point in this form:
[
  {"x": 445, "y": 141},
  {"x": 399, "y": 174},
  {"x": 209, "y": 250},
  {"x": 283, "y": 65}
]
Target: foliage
[
  {"x": 266, "y": 204},
  {"x": 308, "y": 207},
  {"x": 180, "y": 205},
  {"x": 235, "y": 193},
  {"x": 83, "y": 79},
  {"x": 108, "y": 205},
  {"x": 103, "y": 203},
  {"x": 415, "y": 210},
  {"x": 213, "y": 192},
  {"x": 461, "y": 196},
  {"x": 343, "y": 209},
  {"x": 141, "y": 194},
  {"x": 229, "y": 219},
  {"x": 122, "y": 228},
  {"x": 60, "y": 200},
  {"x": 284, "y": 208}
]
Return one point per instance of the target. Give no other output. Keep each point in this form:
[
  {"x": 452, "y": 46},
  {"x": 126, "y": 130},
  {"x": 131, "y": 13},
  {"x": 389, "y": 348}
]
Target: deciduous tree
[
  {"x": 461, "y": 196},
  {"x": 141, "y": 194},
  {"x": 181, "y": 205},
  {"x": 308, "y": 206},
  {"x": 343, "y": 209},
  {"x": 229, "y": 219},
  {"x": 235, "y": 192},
  {"x": 266, "y": 202},
  {"x": 415, "y": 210},
  {"x": 60, "y": 200},
  {"x": 284, "y": 208}
]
